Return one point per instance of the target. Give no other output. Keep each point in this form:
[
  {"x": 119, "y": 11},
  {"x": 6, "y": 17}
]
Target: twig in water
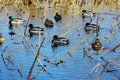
[
  {"x": 27, "y": 24},
  {"x": 112, "y": 50},
  {"x": 4, "y": 50},
  {"x": 3, "y": 56},
  {"x": 114, "y": 26},
  {"x": 19, "y": 71},
  {"x": 15, "y": 51},
  {"x": 37, "y": 55},
  {"x": 108, "y": 62},
  {"x": 4, "y": 61},
  {"x": 32, "y": 49},
  {"x": 95, "y": 68}
]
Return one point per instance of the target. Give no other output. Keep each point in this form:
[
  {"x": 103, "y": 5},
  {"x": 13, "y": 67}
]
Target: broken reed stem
[
  {"x": 4, "y": 61},
  {"x": 4, "y": 50},
  {"x": 23, "y": 44},
  {"x": 68, "y": 31},
  {"x": 86, "y": 49},
  {"x": 37, "y": 55},
  {"x": 112, "y": 50},
  {"x": 27, "y": 25},
  {"x": 98, "y": 24},
  {"x": 64, "y": 27},
  {"x": 93, "y": 39},
  {"x": 114, "y": 26},
  {"x": 85, "y": 54},
  {"x": 108, "y": 62},
  {"x": 3, "y": 56},
  {"x": 75, "y": 46},
  {"x": 93, "y": 53},
  {"x": 109, "y": 36},
  {"x": 15, "y": 51},
  {"x": 39, "y": 36},
  {"x": 95, "y": 68},
  {"x": 31, "y": 69},
  {"x": 19, "y": 71},
  {"x": 32, "y": 49},
  {"x": 111, "y": 61}
]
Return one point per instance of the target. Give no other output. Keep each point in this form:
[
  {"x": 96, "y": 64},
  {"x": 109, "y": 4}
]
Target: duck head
[
  {"x": 57, "y": 13},
  {"x": 87, "y": 24},
  {"x": 31, "y": 26},
  {"x": 11, "y": 18},
  {"x": 97, "y": 40},
  {"x": 47, "y": 20},
  {"x": 55, "y": 37},
  {"x": 83, "y": 10}
]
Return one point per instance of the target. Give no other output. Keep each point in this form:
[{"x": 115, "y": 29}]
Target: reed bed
[{"x": 79, "y": 4}]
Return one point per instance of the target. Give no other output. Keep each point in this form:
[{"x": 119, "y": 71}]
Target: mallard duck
[
  {"x": 57, "y": 17},
  {"x": 15, "y": 21},
  {"x": 59, "y": 41},
  {"x": 87, "y": 14},
  {"x": 97, "y": 45},
  {"x": 48, "y": 23},
  {"x": 2, "y": 39},
  {"x": 91, "y": 27},
  {"x": 35, "y": 30}
]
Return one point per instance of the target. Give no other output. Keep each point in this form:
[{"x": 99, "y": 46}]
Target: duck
[
  {"x": 35, "y": 30},
  {"x": 97, "y": 45},
  {"x": 57, "y": 17},
  {"x": 87, "y": 14},
  {"x": 59, "y": 41},
  {"x": 2, "y": 38},
  {"x": 15, "y": 21},
  {"x": 48, "y": 23},
  {"x": 90, "y": 27}
]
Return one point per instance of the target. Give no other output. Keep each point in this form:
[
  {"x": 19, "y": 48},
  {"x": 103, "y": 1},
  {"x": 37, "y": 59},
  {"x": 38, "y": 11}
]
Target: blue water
[{"x": 76, "y": 67}]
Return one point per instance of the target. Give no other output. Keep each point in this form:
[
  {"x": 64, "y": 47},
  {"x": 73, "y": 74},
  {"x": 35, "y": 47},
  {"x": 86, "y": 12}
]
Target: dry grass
[
  {"x": 92, "y": 4},
  {"x": 64, "y": 7}
]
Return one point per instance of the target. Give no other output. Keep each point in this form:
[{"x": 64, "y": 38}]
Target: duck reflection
[{"x": 11, "y": 28}]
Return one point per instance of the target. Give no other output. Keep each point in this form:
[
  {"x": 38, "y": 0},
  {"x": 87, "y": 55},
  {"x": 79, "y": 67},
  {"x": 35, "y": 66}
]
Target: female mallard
[
  {"x": 91, "y": 27},
  {"x": 35, "y": 30},
  {"x": 97, "y": 45},
  {"x": 2, "y": 39},
  {"x": 15, "y": 21},
  {"x": 57, "y": 17},
  {"x": 59, "y": 41},
  {"x": 87, "y": 14},
  {"x": 48, "y": 23}
]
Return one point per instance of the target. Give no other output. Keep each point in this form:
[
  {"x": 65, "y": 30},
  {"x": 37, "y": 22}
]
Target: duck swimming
[
  {"x": 59, "y": 41},
  {"x": 48, "y": 23},
  {"x": 15, "y": 21},
  {"x": 91, "y": 27},
  {"x": 87, "y": 14},
  {"x": 57, "y": 17},
  {"x": 2, "y": 39},
  {"x": 97, "y": 45},
  {"x": 35, "y": 30}
]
